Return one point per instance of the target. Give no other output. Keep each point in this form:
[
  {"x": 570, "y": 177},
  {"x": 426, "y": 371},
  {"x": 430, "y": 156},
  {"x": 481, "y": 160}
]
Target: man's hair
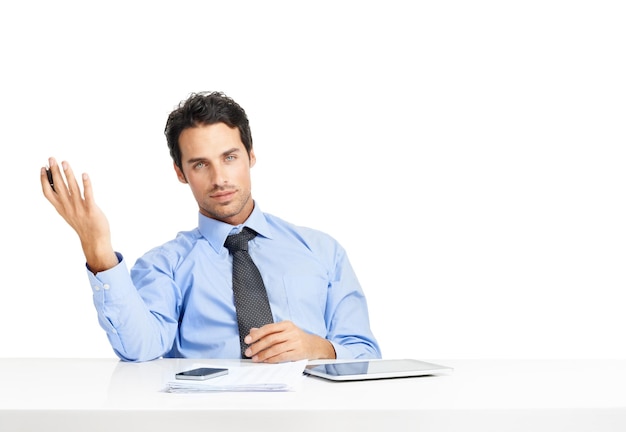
[{"x": 202, "y": 109}]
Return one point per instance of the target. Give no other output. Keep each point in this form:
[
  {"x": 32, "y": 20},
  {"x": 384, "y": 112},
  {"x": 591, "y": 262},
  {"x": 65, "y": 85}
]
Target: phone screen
[
  {"x": 201, "y": 373},
  {"x": 50, "y": 178}
]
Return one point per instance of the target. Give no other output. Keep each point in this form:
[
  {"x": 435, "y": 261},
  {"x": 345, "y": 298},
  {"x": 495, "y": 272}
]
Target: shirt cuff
[
  {"x": 119, "y": 260},
  {"x": 113, "y": 283}
]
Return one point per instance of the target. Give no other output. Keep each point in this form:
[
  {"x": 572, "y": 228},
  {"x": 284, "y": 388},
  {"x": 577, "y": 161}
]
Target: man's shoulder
[
  {"x": 307, "y": 234},
  {"x": 181, "y": 245}
]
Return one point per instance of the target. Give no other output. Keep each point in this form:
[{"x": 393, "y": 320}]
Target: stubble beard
[{"x": 225, "y": 212}]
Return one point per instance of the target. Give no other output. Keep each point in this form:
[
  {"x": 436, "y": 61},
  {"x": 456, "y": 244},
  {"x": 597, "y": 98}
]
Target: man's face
[{"x": 216, "y": 166}]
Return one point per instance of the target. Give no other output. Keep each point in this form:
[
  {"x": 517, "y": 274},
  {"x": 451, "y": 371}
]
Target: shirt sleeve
[
  {"x": 136, "y": 332},
  {"x": 347, "y": 314}
]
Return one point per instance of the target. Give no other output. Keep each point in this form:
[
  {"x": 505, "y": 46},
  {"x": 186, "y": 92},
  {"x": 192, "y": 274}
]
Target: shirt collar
[{"x": 216, "y": 231}]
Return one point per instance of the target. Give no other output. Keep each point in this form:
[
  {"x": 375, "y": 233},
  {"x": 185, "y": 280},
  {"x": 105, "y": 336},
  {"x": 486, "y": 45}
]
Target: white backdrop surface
[{"x": 468, "y": 155}]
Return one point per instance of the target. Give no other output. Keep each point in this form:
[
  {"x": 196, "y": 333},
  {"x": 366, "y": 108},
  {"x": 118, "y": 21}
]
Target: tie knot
[{"x": 237, "y": 242}]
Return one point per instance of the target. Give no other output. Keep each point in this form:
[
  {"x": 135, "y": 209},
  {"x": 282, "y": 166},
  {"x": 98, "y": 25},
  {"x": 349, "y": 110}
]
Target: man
[{"x": 177, "y": 300}]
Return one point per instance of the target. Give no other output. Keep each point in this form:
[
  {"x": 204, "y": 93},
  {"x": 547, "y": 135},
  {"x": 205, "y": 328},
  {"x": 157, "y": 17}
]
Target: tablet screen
[{"x": 375, "y": 369}]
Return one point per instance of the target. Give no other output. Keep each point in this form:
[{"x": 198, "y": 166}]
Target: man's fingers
[
  {"x": 45, "y": 184},
  {"x": 259, "y": 333},
  {"x": 72, "y": 184},
  {"x": 88, "y": 190}
]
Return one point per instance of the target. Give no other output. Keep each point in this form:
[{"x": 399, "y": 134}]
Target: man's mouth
[{"x": 223, "y": 196}]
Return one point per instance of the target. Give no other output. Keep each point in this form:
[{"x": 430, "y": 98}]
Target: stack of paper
[{"x": 249, "y": 377}]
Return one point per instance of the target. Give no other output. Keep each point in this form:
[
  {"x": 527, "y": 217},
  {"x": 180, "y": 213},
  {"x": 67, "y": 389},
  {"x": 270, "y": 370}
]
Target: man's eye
[
  {"x": 199, "y": 165},
  {"x": 230, "y": 158}
]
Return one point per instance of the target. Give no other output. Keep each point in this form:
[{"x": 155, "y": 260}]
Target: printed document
[{"x": 250, "y": 377}]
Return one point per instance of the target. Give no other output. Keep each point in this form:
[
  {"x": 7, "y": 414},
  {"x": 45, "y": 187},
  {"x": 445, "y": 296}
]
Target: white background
[{"x": 469, "y": 155}]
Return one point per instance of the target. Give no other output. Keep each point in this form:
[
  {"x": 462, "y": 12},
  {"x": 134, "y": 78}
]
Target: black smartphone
[
  {"x": 201, "y": 374},
  {"x": 50, "y": 178}
]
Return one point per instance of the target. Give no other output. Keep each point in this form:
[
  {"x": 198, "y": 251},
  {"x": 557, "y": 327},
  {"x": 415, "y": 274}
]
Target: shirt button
[{"x": 106, "y": 286}]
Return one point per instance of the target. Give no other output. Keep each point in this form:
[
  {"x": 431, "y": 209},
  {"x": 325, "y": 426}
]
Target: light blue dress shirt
[{"x": 177, "y": 300}]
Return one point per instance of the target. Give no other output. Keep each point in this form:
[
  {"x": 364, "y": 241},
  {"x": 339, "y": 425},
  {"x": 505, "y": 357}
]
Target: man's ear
[
  {"x": 252, "y": 158},
  {"x": 180, "y": 174}
]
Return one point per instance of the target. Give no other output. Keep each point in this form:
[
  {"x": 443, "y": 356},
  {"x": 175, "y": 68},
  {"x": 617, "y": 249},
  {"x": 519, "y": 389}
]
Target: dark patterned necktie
[{"x": 251, "y": 303}]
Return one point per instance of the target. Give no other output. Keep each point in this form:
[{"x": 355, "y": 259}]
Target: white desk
[{"x": 481, "y": 395}]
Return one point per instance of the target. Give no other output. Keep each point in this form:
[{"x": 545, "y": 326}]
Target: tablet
[{"x": 355, "y": 370}]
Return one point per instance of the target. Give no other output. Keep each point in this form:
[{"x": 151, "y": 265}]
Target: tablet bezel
[{"x": 384, "y": 369}]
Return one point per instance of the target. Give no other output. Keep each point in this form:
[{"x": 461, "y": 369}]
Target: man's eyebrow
[{"x": 231, "y": 151}]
